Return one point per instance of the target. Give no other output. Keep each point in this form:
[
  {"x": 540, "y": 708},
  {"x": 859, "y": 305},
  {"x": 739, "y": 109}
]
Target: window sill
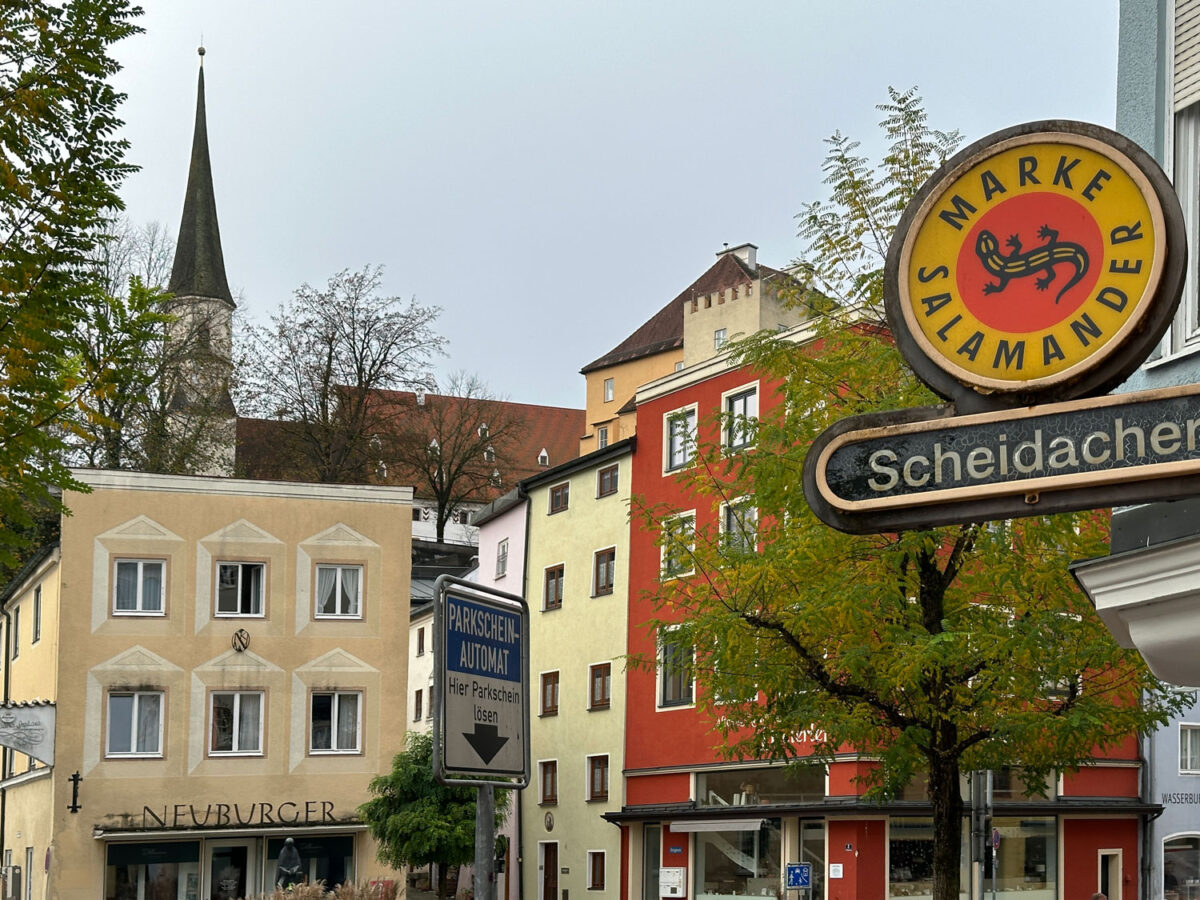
[
  {"x": 555, "y": 512},
  {"x": 235, "y": 754},
  {"x": 326, "y": 753},
  {"x": 599, "y": 707},
  {"x": 603, "y": 799},
  {"x": 229, "y": 615},
  {"x": 116, "y": 757},
  {"x": 548, "y": 715},
  {"x": 607, "y": 592},
  {"x": 553, "y": 802},
  {"x": 551, "y": 608},
  {"x": 138, "y": 614},
  {"x": 336, "y": 618},
  {"x": 606, "y": 494}
]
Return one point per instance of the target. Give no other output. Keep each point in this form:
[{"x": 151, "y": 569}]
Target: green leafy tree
[
  {"x": 61, "y": 164},
  {"x": 418, "y": 821},
  {"x": 934, "y": 652}
]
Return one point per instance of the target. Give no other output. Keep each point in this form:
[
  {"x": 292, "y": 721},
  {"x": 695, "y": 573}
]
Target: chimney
[{"x": 747, "y": 253}]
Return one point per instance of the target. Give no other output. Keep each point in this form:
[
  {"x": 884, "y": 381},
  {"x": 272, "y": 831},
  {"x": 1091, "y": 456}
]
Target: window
[
  {"x": 1186, "y": 176},
  {"x": 599, "y": 686},
  {"x": 741, "y": 417},
  {"x": 719, "y": 339},
  {"x": 37, "y": 614},
  {"x": 602, "y": 437},
  {"x": 678, "y": 544},
  {"x": 483, "y": 431},
  {"x": 549, "y": 693},
  {"x": 595, "y": 870},
  {"x": 553, "y": 596},
  {"x": 16, "y": 632},
  {"x": 1189, "y": 749},
  {"x": 134, "y": 723},
  {"x": 681, "y": 438},
  {"x": 416, "y": 514},
  {"x": 606, "y": 481},
  {"x": 609, "y": 390},
  {"x": 240, "y": 589},
  {"x": 335, "y": 721},
  {"x": 544, "y": 458},
  {"x": 597, "y": 778},
  {"x": 739, "y": 526},
  {"x": 502, "y": 558},
  {"x": 560, "y": 496},
  {"x": 603, "y": 571},
  {"x": 421, "y": 641},
  {"x": 548, "y": 781},
  {"x": 417, "y": 706},
  {"x": 675, "y": 676},
  {"x": 236, "y": 722},
  {"x": 489, "y": 455},
  {"x": 139, "y": 584},
  {"x": 338, "y": 591}
]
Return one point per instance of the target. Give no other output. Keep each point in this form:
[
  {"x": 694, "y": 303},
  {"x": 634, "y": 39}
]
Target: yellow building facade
[{"x": 226, "y": 665}]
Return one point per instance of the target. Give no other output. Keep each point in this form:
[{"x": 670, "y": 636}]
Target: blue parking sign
[{"x": 799, "y": 875}]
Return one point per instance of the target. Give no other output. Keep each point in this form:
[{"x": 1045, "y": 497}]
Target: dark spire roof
[{"x": 199, "y": 269}]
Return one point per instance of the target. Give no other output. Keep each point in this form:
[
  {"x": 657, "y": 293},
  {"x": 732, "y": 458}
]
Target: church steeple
[{"x": 199, "y": 269}]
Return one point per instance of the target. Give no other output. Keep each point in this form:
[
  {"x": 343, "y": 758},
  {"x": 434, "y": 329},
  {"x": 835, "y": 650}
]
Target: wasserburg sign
[{"x": 1033, "y": 272}]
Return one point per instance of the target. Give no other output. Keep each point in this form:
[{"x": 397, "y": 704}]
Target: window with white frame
[
  {"x": 339, "y": 591},
  {"x": 548, "y": 781},
  {"x": 16, "y": 632},
  {"x": 135, "y": 723},
  {"x": 678, "y": 544},
  {"x": 421, "y": 641},
  {"x": 335, "y": 722},
  {"x": 37, "y": 614},
  {"x": 138, "y": 587},
  {"x": 1185, "y": 330},
  {"x": 606, "y": 481},
  {"x": 599, "y": 686},
  {"x": 602, "y": 437},
  {"x": 1189, "y": 749},
  {"x": 240, "y": 589},
  {"x": 597, "y": 767},
  {"x": 549, "y": 705},
  {"x": 674, "y": 671},
  {"x": 609, "y": 390},
  {"x": 595, "y": 870},
  {"x": 502, "y": 558},
  {"x": 604, "y": 569},
  {"x": 679, "y": 446},
  {"x": 236, "y": 721},
  {"x": 720, "y": 339},
  {"x": 560, "y": 497},
  {"x": 740, "y": 409},
  {"x": 552, "y": 595},
  {"x": 739, "y": 525}
]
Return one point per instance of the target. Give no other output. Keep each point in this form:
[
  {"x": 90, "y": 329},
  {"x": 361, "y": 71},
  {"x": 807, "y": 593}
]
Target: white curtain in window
[
  {"x": 127, "y": 581},
  {"x": 149, "y": 717},
  {"x": 347, "y": 724},
  {"x": 248, "y": 722},
  {"x": 327, "y": 591},
  {"x": 152, "y": 586},
  {"x": 349, "y": 591}
]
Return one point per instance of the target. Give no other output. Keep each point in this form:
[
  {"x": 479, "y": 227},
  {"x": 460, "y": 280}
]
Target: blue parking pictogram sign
[{"x": 799, "y": 875}]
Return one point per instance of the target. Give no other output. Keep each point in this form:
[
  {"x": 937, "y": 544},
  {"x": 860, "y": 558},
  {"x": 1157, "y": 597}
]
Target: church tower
[{"x": 203, "y": 417}]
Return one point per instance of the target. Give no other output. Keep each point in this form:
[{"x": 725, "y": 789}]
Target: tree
[
  {"x": 934, "y": 652},
  {"x": 453, "y": 446},
  {"x": 318, "y": 364},
  {"x": 416, "y": 820},
  {"x": 60, "y": 167}
]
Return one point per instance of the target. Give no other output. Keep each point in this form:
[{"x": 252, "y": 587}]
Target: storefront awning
[{"x": 718, "y": 825}]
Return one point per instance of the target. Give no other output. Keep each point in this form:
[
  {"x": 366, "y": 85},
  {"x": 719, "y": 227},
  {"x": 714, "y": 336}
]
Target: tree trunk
[
  {"x": 946, "y": 796},
  {"x": 443, "y": 881}
]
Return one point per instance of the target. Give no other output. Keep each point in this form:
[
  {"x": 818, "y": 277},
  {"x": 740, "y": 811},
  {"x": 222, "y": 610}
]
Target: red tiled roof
[{"x": 664, "y": 330}]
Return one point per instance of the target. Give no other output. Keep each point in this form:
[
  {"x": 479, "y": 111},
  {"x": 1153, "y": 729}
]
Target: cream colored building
[
  {"x": 225, "y": 659},
  {"x": 576, "y": 577}
]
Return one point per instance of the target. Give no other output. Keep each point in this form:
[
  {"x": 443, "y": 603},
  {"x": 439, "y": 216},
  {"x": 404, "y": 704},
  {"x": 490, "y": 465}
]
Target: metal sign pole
[{"x": 485, "y": 843}]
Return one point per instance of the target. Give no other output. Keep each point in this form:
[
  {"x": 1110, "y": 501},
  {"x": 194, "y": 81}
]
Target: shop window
[
  {"x": 680, "y": 444},
  {"x": 760, "y": 785},
  {"x": 560, "y": 497},
  {"x": 600, "y": 686},
  {"x": 742, "y": 862},
  {"x": 236, "y": 719},
  {"x": 240, "y": 589},
  {"x": 1181, "y": 866},
  {"x": 549, "y": 693},
  {"x": 597, "y": 767},
  {"x": 1189, "y": 749},
  {"x": 339, "y": 592},
  {"x": 678, "y": 544},
  {"x": 552, "y": 596},
  {"x": 335, "y": 722},
  {"x": 595, "y": 870},
  {"x": 604, "y": 568},
  {"x": 606, "y": 481},
  {"x": 674, "y": 673},
  {"x": 138, "y": 587},
  {"x": 326, "y": 859},
  {"x": 741, "y": 417},
  {"x": 135, "y": 723},
  {"x": 548, "y": 781},
  {"x": 1028, "y": 856},
  {"x": 910, "y": 855},
  {"x": 502, "y": 558},
  {"x": 152, "y": 869}
]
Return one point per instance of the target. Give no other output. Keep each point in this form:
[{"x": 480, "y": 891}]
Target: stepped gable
[{"x": 664, "y": 330}]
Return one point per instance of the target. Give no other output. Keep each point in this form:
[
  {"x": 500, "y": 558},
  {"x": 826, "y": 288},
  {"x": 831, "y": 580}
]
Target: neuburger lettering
[{"x": 226, "y": 815}]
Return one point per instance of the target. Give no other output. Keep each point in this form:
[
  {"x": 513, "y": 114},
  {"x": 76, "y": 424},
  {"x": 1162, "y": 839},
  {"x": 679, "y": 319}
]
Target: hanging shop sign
[{"x": 1033, "y": 273}]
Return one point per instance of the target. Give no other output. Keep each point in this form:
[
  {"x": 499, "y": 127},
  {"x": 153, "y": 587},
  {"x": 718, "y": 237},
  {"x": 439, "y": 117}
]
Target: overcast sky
[{"x": 551, "y": 173}]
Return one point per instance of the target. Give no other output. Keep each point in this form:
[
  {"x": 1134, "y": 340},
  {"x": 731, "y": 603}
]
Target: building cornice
[{"x": 110, "y": 479}]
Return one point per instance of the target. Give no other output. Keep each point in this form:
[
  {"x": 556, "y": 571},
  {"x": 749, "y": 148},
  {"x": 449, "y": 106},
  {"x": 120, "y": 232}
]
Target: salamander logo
[{"x": 1026, "y": 263}]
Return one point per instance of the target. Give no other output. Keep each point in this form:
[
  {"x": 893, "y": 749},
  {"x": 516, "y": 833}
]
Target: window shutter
[{"x": 1187, "y": 53}]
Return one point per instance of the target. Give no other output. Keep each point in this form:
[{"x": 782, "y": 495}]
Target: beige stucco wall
[
  {"x": 585, "y": 631},
  {"x": 740, "y": 316},
  {"x": 192, "y": 523},
  {"x": 627, "y": 378}
]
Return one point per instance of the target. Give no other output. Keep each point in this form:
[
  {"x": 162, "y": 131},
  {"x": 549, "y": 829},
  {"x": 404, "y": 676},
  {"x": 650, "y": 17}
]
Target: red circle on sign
[{"x": 1036, "y": 284}]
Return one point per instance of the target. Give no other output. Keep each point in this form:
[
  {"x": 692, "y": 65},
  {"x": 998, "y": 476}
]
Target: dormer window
[
  {"x": 489, "y": 455},
  {"x": 544, "y": 458},
  {"x": 483, "y": 431},
  {"x": 495, "y": 479}
]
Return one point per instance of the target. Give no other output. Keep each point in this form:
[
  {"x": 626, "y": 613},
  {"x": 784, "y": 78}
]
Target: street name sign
[
  {"x": 481, "y": 695},
  {"x": 1030, "y": 275}
]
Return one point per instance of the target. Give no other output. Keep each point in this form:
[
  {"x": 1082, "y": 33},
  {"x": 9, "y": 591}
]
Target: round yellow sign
[{"x": 1029, "y": 261}]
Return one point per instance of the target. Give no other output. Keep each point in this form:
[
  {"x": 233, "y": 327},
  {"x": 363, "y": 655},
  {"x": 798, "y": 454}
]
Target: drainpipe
[
  {"x": 5, "y": 751},
  {"x": 520, "y": 854},
  {"x": 1146, "y": 758}
]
